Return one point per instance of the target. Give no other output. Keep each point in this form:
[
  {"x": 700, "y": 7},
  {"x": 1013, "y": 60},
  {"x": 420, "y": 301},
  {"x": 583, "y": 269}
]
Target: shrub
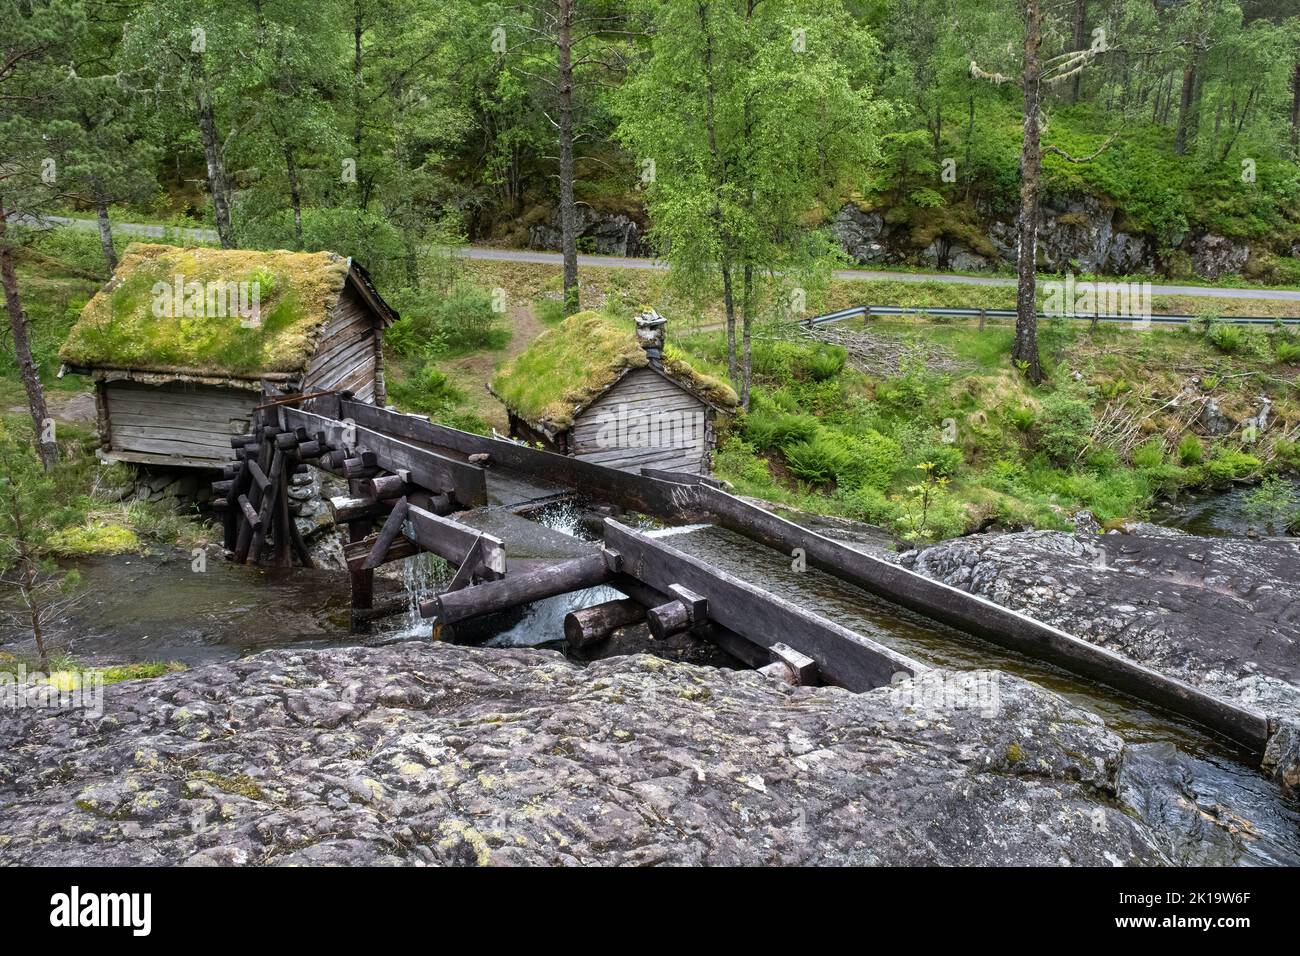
[
  {"x": 429, "y": 391},
  {"x": 825, "y": 362},
  {"x": 463, "y": 320},
  {"x": 737, "y": 460},
  {"x": 1225, "y": 338},
  {"x": 1229, "y": 465},
  {"x": 1150, "y": 454},
  {"x": 1023, "y": 418},
  {"x": 1286, "y": 352},
  {"x": 1275, "y": 503},
  {"x": 1065, "y": 427},
  {"x": 872, "y": 460},
  {"x": 1288, "y": 452},
  {"x": 818, "y": 460},
  {"x": 1190, "y": 450},
  {"x": 774, "y": 429}
]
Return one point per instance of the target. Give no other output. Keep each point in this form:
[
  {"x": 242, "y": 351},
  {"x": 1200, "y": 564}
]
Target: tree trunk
[
  {"x": 106, "y": 236},
  {"x": 710, "y": 121},
  {"x": 1080, "y": 35},
  {"x": 1295, "y": 111},
  {"x": 1031, "y": 160},
  {"x": 358, "y": 31},
  {"x": 44, "y": 435},
  {"x": 295, "y": 193},
  {"x": 747, "y": 322},
  {"x": 216, "y": 164},
  {"x": 568, "y": 207}
]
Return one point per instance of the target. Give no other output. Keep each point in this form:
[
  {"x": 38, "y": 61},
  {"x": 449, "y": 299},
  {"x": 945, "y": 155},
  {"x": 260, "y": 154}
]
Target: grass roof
[
  {"x": 573, "y": 364},
  {"x": 121, "y": 328}
]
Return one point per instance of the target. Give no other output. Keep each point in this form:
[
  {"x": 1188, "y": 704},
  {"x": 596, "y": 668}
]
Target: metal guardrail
[{"x": 865, "y": 311}]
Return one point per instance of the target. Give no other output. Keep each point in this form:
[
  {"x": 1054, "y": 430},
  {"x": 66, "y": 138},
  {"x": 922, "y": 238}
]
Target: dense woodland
[{"x": 731, "y": 131}]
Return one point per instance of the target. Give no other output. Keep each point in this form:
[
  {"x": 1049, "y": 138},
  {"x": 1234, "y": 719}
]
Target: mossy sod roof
[
  {"x": 121, "y": 328},
  {"x": 570, "y": 366}
]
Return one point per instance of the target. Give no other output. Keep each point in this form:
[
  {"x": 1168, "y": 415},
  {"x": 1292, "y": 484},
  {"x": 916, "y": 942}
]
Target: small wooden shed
[
  {"x": 605, "y": 392},
  {"x": 180, "y": 340}
]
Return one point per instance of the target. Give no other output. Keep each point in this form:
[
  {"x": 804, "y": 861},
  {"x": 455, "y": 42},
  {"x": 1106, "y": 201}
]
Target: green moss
[
  {"x": 1014, "y": 753},
  {"x": 568, "y": 366},
  {"x": 240, "y": 785},
  {"x": 96, "y": 537},
  {"x": 119, "y": 328}
]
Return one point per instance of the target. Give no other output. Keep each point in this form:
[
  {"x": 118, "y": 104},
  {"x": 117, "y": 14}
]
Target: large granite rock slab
[{"x": 417, "y": 753}]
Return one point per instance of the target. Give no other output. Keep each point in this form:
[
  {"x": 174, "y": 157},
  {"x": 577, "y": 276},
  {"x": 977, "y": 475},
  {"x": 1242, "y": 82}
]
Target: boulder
[{"x": 606, "y": 234}]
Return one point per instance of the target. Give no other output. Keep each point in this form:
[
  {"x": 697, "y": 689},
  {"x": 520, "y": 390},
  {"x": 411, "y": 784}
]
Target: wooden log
[
  {"x": 387, "y": 608},
  {"x": 222, "y": 487},
  {"x": 311, "y": 449},
  {"x": 590, "y": 625},
  {"x": 357, "y": 468},
  {"x": 250, "y": 515},
  {"x": 266, "y": 508},
  {"x": 428, "y": 468},
  {"x": 300, "y": 546},
  {"x": 983, "y": 618},
  {"x": 385, "y": 486},
  {"x": 363, "y": 582},
  {"x": 452, "y": 541},
  {"x": 668, "y": 619},
  {"x": 515, "y": 589},
  {"x": 356, "y": 552},
  {"x": 387, "y": 535},
  {"x": 345, "y": 509},
  {"x": 258, "y": 475}
]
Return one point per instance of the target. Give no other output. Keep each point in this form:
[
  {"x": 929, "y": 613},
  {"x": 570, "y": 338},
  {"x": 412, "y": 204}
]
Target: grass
[
  {"x": 1009, "y": 454},
  {"x": 121, "y": 327},
  {"x": 64, "y": 671}
]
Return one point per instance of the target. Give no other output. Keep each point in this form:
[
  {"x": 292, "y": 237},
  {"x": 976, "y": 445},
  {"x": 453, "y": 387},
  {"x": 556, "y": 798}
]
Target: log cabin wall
[
  {"x": 347, "y": 352},
  {"x": 178, "y": 423},
  {"x": 645, "y": 420}
]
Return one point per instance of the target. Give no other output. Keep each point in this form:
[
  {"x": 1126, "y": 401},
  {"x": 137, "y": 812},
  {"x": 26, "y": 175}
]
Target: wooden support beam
[
  {"x": 516, "y": 589},
  {"x": 451, "y": 540},
  {"x": 345, "y": 509},
  {"x": 844, "y": 657},
  {"x": 356, "y": 553},
  {"x": 363, "y": 582},
  {"x": 427, "y": 468},
  {"x": 250, "y": 515},
  {"x": 384, "y": 540}
]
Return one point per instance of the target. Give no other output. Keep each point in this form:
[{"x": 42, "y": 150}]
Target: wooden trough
[{"x": 408, "y": 477}]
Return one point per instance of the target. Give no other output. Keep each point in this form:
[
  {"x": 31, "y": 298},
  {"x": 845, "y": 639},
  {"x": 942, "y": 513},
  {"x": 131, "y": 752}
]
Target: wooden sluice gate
[{"x": 418, "y": 487}]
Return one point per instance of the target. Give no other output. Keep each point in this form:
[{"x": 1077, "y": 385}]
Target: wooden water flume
[{"x": 416, "y": 487}]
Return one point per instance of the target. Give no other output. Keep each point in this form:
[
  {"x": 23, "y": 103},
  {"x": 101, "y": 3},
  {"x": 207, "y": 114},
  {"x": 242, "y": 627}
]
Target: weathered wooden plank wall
[
  {"x": 346, "y": 351},
  {"x": 652, "y": 422},
  {"x": 192, "y": 422}
]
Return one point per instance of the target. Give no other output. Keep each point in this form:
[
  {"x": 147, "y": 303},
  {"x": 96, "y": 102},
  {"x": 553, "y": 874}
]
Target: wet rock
[
  {"x": 1213, "y": 420},
  {"x": 1282, "y": 759},
  {"x": 435, "y": 754}
]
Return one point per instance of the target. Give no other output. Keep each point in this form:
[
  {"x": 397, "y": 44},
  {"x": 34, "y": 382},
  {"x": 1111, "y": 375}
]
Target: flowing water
[{"x": 1221, "y": 513}]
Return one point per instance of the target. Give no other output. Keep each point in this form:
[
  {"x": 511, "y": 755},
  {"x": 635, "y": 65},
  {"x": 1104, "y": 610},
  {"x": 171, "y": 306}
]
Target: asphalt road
[{"x": 619, "y": 262}]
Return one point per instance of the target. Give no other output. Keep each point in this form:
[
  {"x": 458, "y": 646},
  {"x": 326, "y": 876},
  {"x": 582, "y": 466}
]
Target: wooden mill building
[
  {"x": 180, "y": 340},
  {"x": 613, "y": 394}
]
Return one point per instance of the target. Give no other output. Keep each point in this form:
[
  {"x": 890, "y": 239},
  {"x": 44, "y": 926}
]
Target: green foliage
[
  {"x": 775, "y": 429},
  {"x": 1150, "y": 454},
  {"x": 1065, "y": 426},
  {"x": 461, "y": 321},
  {"x": 1191, "y": 451},
  {"x": 1286, "y": 351},
  {"x": 826, "y": 362},
  {"x": 1226, "y": 338},
  {"x": 1275, "y": 503},
  {"x": 1228, "y": 464},
  {"x": 819, "y": 459}
]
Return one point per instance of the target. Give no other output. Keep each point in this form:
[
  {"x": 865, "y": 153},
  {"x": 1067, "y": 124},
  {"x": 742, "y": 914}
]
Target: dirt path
[{"x": 471, "y": 373}]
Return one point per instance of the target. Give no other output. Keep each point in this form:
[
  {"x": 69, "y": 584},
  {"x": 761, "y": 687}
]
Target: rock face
[
  {"x": 1077, "y": 233},
  {"x": 1218, "y": 613},
  {"x": 605, "y": 234},
  {"x": 418, "y": 753}
]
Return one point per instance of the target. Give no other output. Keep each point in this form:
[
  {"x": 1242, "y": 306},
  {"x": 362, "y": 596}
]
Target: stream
[
  {"x": 1202, "y": 794},
  {"x": 1218, "y": 513}
]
